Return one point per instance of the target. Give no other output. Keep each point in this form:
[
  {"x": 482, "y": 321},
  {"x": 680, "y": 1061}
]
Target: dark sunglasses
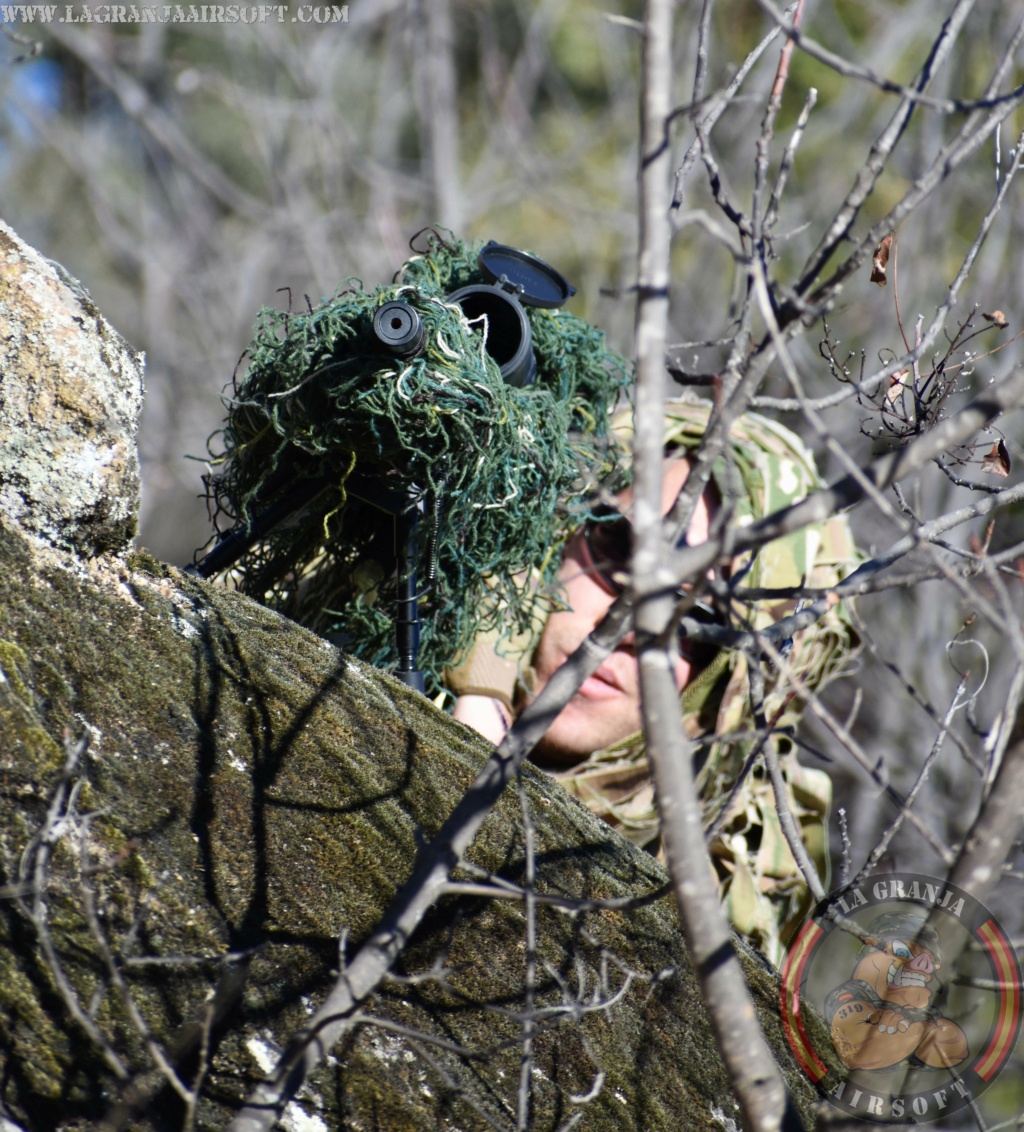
[{"x": 607, "y": 542}]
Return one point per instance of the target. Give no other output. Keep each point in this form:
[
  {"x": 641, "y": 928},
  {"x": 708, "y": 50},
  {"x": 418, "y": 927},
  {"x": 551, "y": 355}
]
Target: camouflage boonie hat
[{"x": 761, "y": 885}]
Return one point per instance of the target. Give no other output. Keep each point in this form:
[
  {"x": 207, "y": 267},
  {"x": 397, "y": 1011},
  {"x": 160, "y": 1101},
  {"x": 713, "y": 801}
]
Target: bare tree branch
[
  {"x": 439, "y": 112},
  {"x": 138, "y": 105},
  {"x": 913, "y": 94},
  {"x": 752, "y": 1071}
]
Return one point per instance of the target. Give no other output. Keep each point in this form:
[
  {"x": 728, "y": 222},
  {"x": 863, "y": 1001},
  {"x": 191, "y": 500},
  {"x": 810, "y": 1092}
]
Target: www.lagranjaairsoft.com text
[{"x": 174, "y": 14}]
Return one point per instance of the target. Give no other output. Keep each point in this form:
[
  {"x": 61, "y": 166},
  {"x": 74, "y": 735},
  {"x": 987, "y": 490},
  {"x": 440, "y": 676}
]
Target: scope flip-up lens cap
[
  {"x": 516, "y": 280},
  {"x": 534, "y": 282}
]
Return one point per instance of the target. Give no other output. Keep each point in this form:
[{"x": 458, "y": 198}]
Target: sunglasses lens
[
  {"x": 609, "y": 542},
  {"x": 704, "y": 613},
  {"x": 608, "y": 539}
]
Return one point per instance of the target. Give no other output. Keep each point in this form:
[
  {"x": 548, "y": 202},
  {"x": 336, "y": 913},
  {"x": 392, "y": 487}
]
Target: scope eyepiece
[
  {"x": 399, "y": 329},
  {"x": 506, "y": 329}
]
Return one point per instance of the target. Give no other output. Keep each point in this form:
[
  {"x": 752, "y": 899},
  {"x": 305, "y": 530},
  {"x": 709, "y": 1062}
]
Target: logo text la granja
[{"x": 896, "y": 889}]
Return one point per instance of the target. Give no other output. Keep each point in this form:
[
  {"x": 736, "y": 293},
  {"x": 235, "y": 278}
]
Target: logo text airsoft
[{"x": 173, "y": 14}]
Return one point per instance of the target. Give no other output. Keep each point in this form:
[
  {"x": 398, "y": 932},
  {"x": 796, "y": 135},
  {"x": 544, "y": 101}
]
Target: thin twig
[
  {"x": 922, "y": 775},
  {"x": 847, "y": 69},
  {"x": 787, "y": 823},
  {"x": 716, "y": 105},
  {"x": 841, "y": 732},
  {"x": 884, "y": 145},
  {"x": 764, "y": 141},
  {"x": 34, "y": 870},
  {"x": 116, "y": 976},
  {"x": 788, "y": 157},
  {"x": 524, "y": 1102},
  {"x": 869, "y": 384}
]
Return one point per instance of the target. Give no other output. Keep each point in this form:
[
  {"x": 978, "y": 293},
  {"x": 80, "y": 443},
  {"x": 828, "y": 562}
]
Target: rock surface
[
  {"x": 244, "y": 796},
  {"x": 199, "y": 799},
  {"x": 70, "y": 397}
]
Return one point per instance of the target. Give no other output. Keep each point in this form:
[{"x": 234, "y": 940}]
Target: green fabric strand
[{"x": 508, "y": 472}]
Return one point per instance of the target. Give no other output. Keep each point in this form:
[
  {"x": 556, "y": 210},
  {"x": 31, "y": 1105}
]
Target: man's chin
[{"x": 577, "y": 732}]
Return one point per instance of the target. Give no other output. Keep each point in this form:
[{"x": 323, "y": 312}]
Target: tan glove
[{"x": 493, "y": 667}]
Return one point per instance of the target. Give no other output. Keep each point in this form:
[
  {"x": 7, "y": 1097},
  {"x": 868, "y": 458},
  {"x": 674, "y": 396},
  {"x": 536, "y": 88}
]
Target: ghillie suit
[
  {"x": 761, "y": 885},
  {"x": 505, "y": 472}
]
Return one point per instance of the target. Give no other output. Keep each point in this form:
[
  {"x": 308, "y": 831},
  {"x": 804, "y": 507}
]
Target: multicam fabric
[{"x": 761, "y": 885}]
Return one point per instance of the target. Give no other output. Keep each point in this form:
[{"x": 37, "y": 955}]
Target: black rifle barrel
[
  {"x": 404, "y": 506},
  {"x": 237, "y": 541}
]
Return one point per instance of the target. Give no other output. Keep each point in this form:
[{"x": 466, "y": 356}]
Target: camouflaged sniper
[{"x": 761, "y": 885}]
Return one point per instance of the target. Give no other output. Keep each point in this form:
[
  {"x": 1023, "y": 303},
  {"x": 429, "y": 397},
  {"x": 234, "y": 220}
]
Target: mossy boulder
[
  {"x": 205, "y": 807},
  {"x": 244, "y": 796}
]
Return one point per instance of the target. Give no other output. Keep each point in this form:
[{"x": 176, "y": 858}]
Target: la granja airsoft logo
[{"x": 901, "y": 998}]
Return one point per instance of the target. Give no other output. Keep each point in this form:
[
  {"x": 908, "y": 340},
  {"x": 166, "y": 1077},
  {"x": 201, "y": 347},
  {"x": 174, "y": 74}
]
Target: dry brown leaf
[
  {"x": 997, "y": 462},
  {"x": 897, "y": 383},
  {"x": 880, "y": 259},
  {"x": 997, "y": 318}
]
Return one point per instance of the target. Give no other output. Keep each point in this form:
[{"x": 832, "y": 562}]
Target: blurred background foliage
[{"x": 190, "y": 173}]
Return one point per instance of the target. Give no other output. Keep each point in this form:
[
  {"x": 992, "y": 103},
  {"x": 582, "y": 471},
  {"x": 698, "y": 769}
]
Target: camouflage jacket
[{"x": 761, "y": 885}]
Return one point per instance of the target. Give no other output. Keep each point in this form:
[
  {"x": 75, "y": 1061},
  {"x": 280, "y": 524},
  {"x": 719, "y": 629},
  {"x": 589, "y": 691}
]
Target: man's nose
[{"x": 922, "y": 963}]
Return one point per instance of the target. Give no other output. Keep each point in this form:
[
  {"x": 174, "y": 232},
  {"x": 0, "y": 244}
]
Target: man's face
[{"x": 607, "y": 706}]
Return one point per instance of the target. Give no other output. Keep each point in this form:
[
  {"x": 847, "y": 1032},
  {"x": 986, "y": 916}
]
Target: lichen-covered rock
[
  {"x": 238, "y": 797},
  {"x": 70, "y": 397}
]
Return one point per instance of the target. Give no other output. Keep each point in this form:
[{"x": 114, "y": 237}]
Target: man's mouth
[{"x": 604, "y": 684}]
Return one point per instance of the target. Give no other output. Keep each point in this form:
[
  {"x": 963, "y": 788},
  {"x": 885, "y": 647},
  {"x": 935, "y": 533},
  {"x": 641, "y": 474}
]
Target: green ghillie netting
[{"x": 508, "y": 472}]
